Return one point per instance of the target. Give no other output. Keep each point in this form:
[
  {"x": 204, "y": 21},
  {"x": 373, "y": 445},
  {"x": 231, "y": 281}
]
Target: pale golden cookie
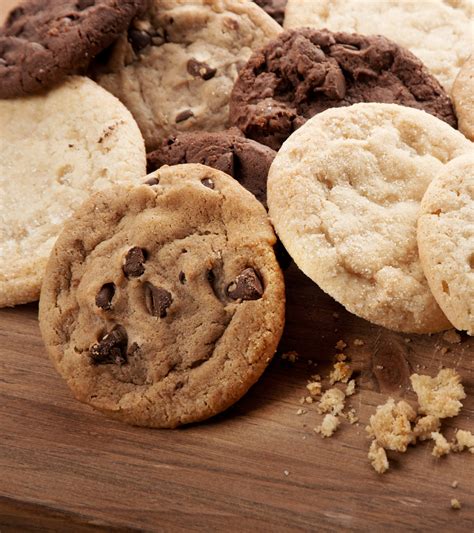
[
  {"x": 56, "y": 148},
  {"x": 463, "y": 98},
  {"x": 446, "y": 240},
  {"x": 344, "y": 193},
  {"x": 439, "y": 32},
  {"x": 163, "y": 303}
]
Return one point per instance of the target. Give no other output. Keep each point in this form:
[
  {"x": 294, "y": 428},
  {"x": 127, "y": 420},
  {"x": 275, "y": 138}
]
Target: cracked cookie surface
[
  {"x": 57, "y": 148},
  {"x": 163, "y": 303},
  {"x": 42, "y": 41},
  {"x": 176, "y": 67},
  {"x": 446, "y": 240},
  {"x": 344, "y": 195},
  {"x": 305, "y": 71}
]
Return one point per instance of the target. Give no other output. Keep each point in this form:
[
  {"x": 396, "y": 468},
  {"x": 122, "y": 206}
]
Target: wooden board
[{"x": 63, "y": 465}]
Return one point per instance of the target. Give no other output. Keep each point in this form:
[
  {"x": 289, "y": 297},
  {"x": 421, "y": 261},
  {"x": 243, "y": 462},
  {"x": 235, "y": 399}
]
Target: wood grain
[{"x": 63, "y": 465}]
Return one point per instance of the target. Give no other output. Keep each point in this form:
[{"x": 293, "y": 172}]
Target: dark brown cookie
[
  {"x": 305, "y": 71},
  {"x": 245, "y": 160},
  {"x": 275, "y": 8},
  {"x": 42, "y": 41}
]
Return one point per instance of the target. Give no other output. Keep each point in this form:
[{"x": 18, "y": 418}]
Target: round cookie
[
  {"x": 344, "y": 193},
  {"x": 275, "y": 8},
  {"x": 305, "y": 71},
  {"x": 439, "y": 32},
  {"x": 245, "y": 160},
  {"x": 163, "y": 303},
  {"x": 176, "y": 67},
  {"x": 42, "y": 41},
  {"x": 56, "y": 149},
  {"x": 446, "y": 240},
  {"x": 463, "y": 98}
]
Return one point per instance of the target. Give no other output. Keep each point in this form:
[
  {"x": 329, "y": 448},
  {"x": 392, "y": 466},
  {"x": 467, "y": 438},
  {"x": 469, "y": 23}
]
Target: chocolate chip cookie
[
  {"x": 163, "y": 302},
  {"x": 305, "y": 71},
  {"x": 176, "y": 67},
  {"x": 245, "y": 160},
  {"x": 44, "y": 40}
]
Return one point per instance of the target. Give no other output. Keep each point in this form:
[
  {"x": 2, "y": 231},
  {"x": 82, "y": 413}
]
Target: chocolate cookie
[
  {"x": 275, "y": 8},
  {"x": 44, "y": 40},
  {"x": 163, "y": 303},
  {"x": 304, "y": 71},
  {"x": 245, "y": 160}
]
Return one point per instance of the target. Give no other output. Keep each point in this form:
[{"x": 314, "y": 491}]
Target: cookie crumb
[
  {"x": 301, "y": 412},
  {"x": 455, "y": 484},
  {"x": 341, "y": 357},
  {"x": 390, "y": 425},
  {"x": 340, "y": 345},
  {"x": 442, "y": 446},
  {"x": 328, "y": 426},
  {"x": 425, "y": 426},
  {"x": 332, "y": 401},
  {"x": 286, "y": 472},
  {"x": 358, "y": 342},
  {"x": 341, "y": 372},
  {"x": 308, "y": 399},
  {"x": 455, "y": 504},
  {"x": 452, "y": 336},
  {"x": 463, "y": 439},
  {"x": 378, "y": 457},
  {"x": 314, "y": 388},
  {"x": 290, "y": 356},
  {"x": 439, "y": 396},
  {"x": 350, "y": 389},
  {"x": 352, "y": 418}
]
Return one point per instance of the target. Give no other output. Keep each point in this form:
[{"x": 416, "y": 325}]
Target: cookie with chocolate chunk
[
  {"x": 42, "y": 41},
  {"x": 176, "y": 67},
  {"x": 245, "y": 160},
  {"x": 163, "y": 303},
  {"x": 305, "y": 71}
]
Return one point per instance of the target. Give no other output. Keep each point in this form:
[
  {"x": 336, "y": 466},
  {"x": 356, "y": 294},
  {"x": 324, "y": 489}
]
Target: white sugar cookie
[
  {"x": 56, "y": 148},
  {"x": 446, "y": 240},
  {"x": 439, "y": 32},
  {"x": 344, "y": 194},
  {"x": 463, "y": 98}
]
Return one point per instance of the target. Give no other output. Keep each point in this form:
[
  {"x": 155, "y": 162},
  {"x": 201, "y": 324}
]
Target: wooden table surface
[{"x": 259, "y": 466}]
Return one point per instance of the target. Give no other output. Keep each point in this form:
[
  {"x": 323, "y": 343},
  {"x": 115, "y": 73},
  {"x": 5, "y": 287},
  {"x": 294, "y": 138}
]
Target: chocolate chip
[
  {"x": 199, "y": 68},
  {"x": 157, "y": 300},
  {"x": 133, "y": 266},
  {"x": 152, "y": 181},
  {"x": 133, "y": 349},
  {"x": 139, "y": 39},
  {"x": 112, "y": 348},
  {"x": 182, "y": 277},
  {"x": 246, "y": 286},
  {"x": 84, "y": 4},
  {"x": 207, "y": 182},
  {"x": 104, "y": 296},
  {"x": 184, "y": 115}
]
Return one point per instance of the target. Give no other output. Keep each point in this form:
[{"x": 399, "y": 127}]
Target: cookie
[
  {"x": 275, "y": 8},
  {"x": 439, "y": 32},
  {"x": 463, "y": 98},
  {"x": 344, "y": 194},
  {"x": 163, "y": 303},
  {"x": 42, "y": 41},
  {"x": 176, "y": 67},
  {"x": 305, "y": 71},
  {"x": 245, "y": 160},
  {"x": 56, "y": 149},
  {"x": 446, "y": 240}
]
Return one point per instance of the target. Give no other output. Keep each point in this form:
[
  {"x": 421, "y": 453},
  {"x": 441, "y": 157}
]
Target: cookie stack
[{"x": 162, "y": 300}]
